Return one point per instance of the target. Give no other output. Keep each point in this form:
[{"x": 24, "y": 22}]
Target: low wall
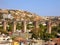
[{"x": 5, "y": 44}]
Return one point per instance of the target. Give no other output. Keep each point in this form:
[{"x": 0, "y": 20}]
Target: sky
[{"x": 40, "y": 7}]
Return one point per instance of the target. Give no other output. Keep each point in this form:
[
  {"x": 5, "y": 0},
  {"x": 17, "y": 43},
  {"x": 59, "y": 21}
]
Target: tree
[
  {"x": 35, "y": 34},
  {"x": 30, "y": 26},
  {"x": 55, "y": 30},
  {"x": 39, "y": 33},
  {"x": 1, "y": 16},
  {"x": 19, "y": 26},
  {"x": 9, "y": 28},
  {"x": 45, "y": 35},
  {"x": 42, "y": 33},
  {"x": 58, "y": 28},
  {"x": 3, "y": 31}
]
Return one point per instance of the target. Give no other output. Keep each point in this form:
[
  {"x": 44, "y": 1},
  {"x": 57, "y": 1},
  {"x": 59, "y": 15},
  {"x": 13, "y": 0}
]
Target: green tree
[
  {"x": 19, "y": 26},
  {"x": 56, "y": 30},
  {"x": 1, "y": 16},
  {"x": 9, "y": 28},
  {"x": 42, "y": 33},
  {"x": 30, "y": 26}
]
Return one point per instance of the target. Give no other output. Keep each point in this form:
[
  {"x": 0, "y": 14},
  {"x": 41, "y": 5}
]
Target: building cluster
[
  {"x": 15, "y": 16},
  {"x": 23, "y": 17}
]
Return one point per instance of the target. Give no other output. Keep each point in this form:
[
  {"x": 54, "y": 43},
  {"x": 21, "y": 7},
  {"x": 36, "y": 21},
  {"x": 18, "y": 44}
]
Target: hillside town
[{"x": 18, "y": 27}]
